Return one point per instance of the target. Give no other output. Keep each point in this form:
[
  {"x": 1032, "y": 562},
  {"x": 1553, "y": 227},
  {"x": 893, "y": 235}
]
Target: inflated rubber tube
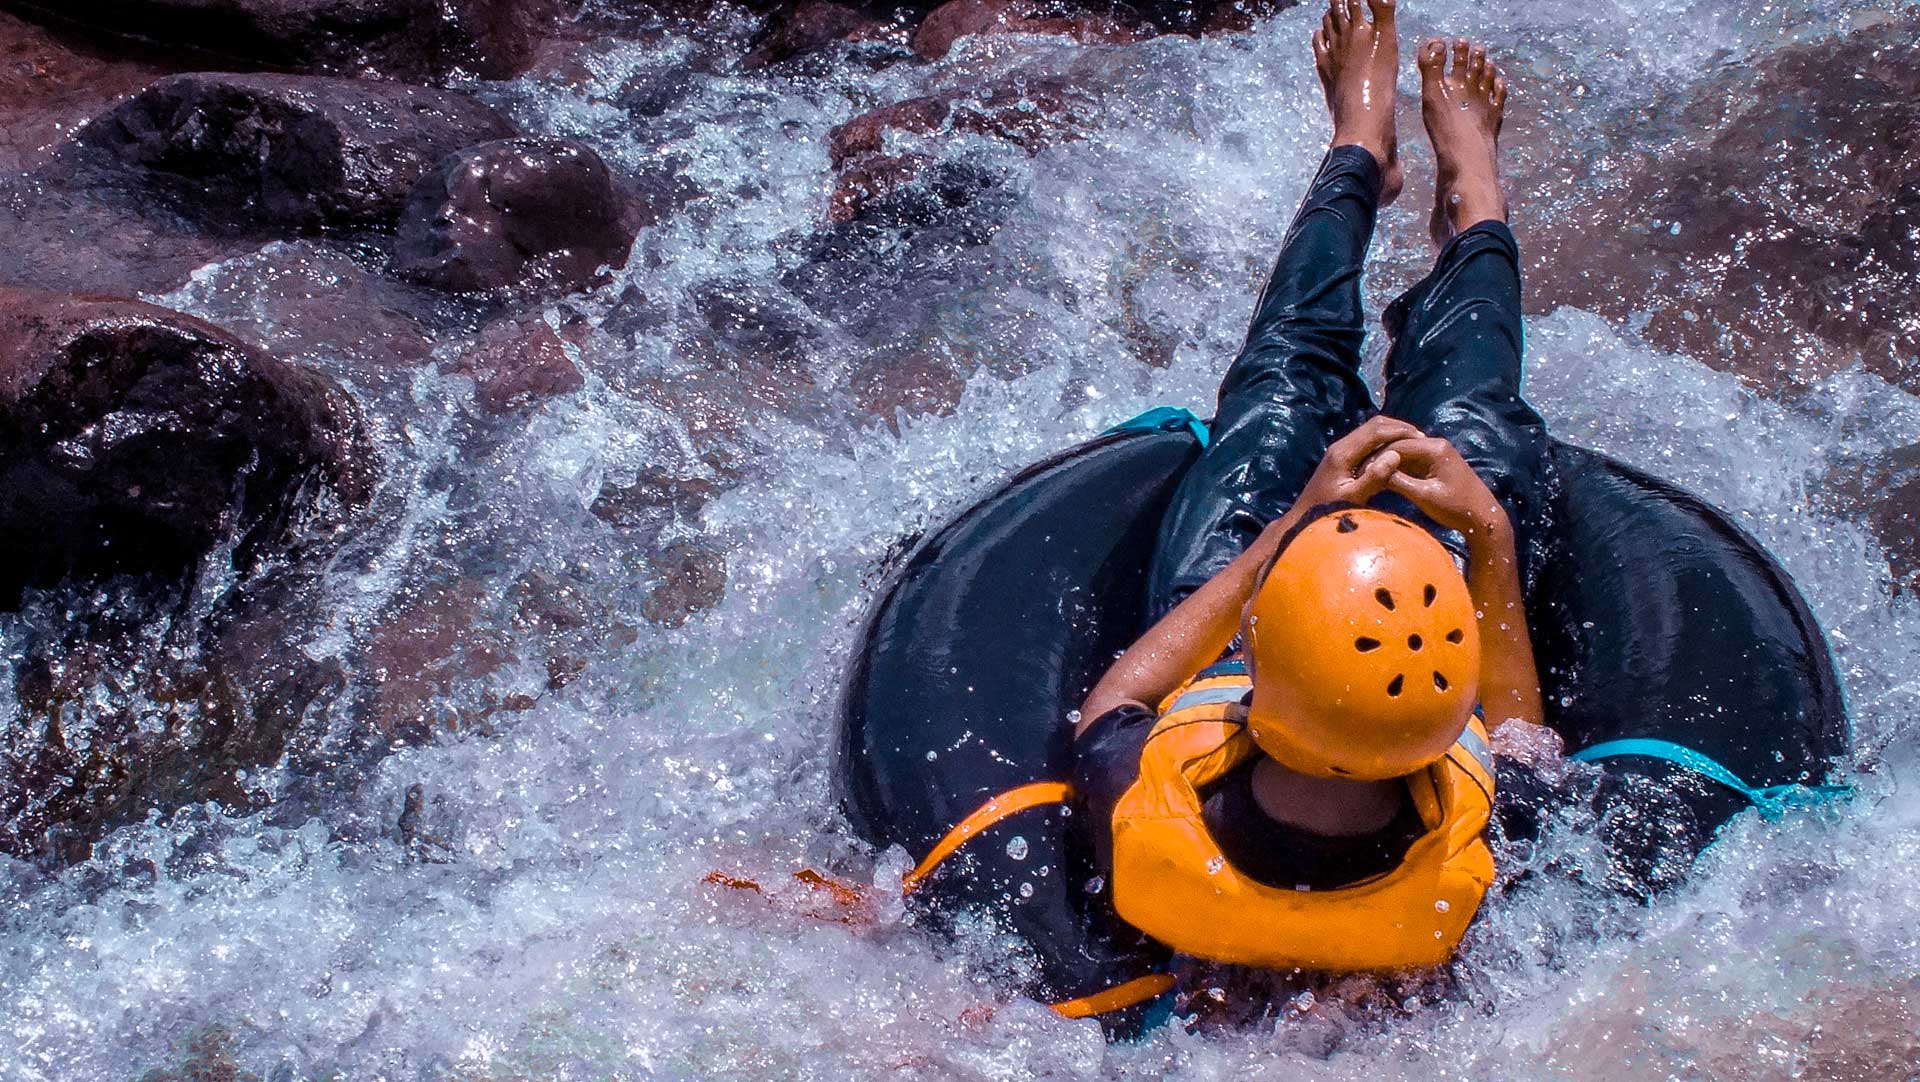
[{"x": 1655, "y": 617}]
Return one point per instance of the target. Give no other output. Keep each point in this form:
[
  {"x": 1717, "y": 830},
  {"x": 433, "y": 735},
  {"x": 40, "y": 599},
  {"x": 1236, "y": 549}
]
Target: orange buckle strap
[
  {"x": 1135, "y": 991},
  {"x": 1011, "y": 802}
]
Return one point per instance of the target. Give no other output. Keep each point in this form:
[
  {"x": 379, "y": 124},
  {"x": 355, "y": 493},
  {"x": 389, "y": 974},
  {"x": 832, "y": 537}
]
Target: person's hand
[
  {"x": 1430, "y": 472},
  {"x": 1358, "y": 465}
]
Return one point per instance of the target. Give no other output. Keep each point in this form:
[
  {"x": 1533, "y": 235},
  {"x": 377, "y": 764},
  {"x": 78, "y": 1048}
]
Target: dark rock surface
[
  {"x": 50, "y": 85},
  {"x": 133, "y": 705},
  {"x": 285, "y": 152},
  {"x": 945, "y": 25},
  {"x": 806, "y": 27},
  {"x": 134, "y": 439},
  {"x": 399, "y": 39},
  {"x": 543, "y": 213}
]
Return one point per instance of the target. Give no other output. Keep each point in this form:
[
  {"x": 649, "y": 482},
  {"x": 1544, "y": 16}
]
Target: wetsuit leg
[
  {"x": 1454, "y": 371},
  {"x": 1293, "y": 390}
]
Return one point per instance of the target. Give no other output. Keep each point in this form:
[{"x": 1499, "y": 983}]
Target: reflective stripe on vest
[{"x": 1171, "y": 881}]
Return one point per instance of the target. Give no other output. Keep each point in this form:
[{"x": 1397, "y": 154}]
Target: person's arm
[
  {"x": 1441, "y": 483},
  {"x": 1200, "y": 627}
]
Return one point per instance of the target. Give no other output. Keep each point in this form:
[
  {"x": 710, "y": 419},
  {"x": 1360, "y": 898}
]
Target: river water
[{"x": 542, "y": 916}]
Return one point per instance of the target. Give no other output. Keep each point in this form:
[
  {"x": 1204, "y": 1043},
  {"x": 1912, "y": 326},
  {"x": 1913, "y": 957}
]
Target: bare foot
[
  {"x": 1462, "y": 110},
  {"x": 1357, "y": 60}
]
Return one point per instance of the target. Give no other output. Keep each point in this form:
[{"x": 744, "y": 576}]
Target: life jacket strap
[
  {"x": 1772, "y": 800},
  {"x": 1119, "y": 997},
  {"x": 1012, "y": 802}
]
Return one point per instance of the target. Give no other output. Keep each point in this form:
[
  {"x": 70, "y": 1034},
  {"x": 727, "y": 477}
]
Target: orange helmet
[{"x": 1364, "y": 649}]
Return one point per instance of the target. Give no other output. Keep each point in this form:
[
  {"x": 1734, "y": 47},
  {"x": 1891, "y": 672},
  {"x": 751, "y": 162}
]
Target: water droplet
[
  {"x": 1441, "y": 906},
  {"x": 1215, "y": 865},
  {"x": 1017, "y": 847},
  {"x": 1073, "y": 717},
  {"x": 1026, "y": 890},
  {"x": 1303, "y": 1002},
  {"x": 932, "y": 755},
  {"x": 1436, "y": 933},
  {"x": 1095, "y": 885}
]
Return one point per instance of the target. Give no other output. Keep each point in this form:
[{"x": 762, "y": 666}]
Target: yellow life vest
[{"x": 1171, "y": 881}]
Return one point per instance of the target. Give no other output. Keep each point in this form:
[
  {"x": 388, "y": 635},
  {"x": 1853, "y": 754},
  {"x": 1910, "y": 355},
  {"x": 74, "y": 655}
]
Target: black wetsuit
[{"x": 1453, "y": 371}]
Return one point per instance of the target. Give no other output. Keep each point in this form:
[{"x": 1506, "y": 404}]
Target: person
[{"x": 1291, "y": 766}]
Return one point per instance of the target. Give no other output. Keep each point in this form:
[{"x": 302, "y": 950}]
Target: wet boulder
[
  {"x": 284, "y": 153},
  {"x": 542, "y": 213},
  {"x": 398, "y": 39},
  {"x": 134, "y": 439},
  {"x": 807, "y": 27},
  {"x": 945, "y": 25}
]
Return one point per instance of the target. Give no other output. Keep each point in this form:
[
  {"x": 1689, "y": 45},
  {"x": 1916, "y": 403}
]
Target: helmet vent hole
[
  {"x": 1399, "y": 681},
  {"x": 1429, "y": 595},
  {"x": 1414, "y": 643},
  {"x": 1385, "y": 597},
  {"x": 1339, "y": 769},
  {"x": 1366, "y": 645},
  {"x": 1439, "y": 681},
  {"x": 1346, "y": 524},
  {"x": 1456, "y": 636}
]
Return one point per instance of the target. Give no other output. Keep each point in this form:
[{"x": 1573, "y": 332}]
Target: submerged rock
[
  {"x": 693, "y": 578},
  {"x": 287, "y": 153},
  {"x": 537, "y": 212},
  {"x": 515, "y": 363},
  {"x": 134, "y": 439},
  {"x": 1032, "y": 114},
  {"x": 402, "y": 39},
  {"x": 1733, "y": 249}
]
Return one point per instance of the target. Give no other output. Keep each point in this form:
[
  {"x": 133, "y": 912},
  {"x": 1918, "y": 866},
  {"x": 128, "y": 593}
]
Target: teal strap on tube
[
  {"x": 1164, "y": 419},
  {"x": 1773, "y": 800}
]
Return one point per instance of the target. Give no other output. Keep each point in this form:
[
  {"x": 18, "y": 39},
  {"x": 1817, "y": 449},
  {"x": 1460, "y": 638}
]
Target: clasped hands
[{"x": 1386, "y": 454}]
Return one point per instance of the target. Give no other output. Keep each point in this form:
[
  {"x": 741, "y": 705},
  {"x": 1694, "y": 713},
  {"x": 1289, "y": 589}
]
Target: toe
[
  {"x": 1460, "y": 47},
  {"x": 1476, "y": 65},
  {"x": 1382, "y": 10},
  {"x": 1320, "y": 49},
  {"x": 1337, "y": 11},
  {"x": 1489, "y": 76},
  {"x": 1500, "y": 93},
  {"x": 1432, "y": 58},
  {"x": 1326, "y": 29}
]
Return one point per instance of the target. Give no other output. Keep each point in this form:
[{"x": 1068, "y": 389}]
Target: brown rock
[
  {"x": 515, "y": 363},
  {"x": 427, "y": 654},
  {"x": 945, "y": 25},
  {"x": 543, "y": 213},
  {"x": 693, "y": 579},
  {"x": 285, "y": 152},
  {"x": 1743, "y": 255},
  {"x": 1033, "y": 114},
  {"x": 50, "y": 86},
  {"x": 806, "y": 27},
  {"x": 917, "y": 385},
  {"x": 133, "y": 439},
  {"x": 398, "y": 39}
]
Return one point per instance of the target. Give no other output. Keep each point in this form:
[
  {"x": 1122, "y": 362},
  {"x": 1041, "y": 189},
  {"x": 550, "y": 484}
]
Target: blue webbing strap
[
  {"x": 1164, "y": 419},
  {"x": 1773, "y": 800}
]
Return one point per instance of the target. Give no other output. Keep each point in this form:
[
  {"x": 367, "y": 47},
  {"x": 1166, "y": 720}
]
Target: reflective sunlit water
[{"x": 542, "y": 917}]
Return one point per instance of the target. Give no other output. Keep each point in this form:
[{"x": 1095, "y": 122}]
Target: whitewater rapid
[{"x": 557, "y": 927}]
